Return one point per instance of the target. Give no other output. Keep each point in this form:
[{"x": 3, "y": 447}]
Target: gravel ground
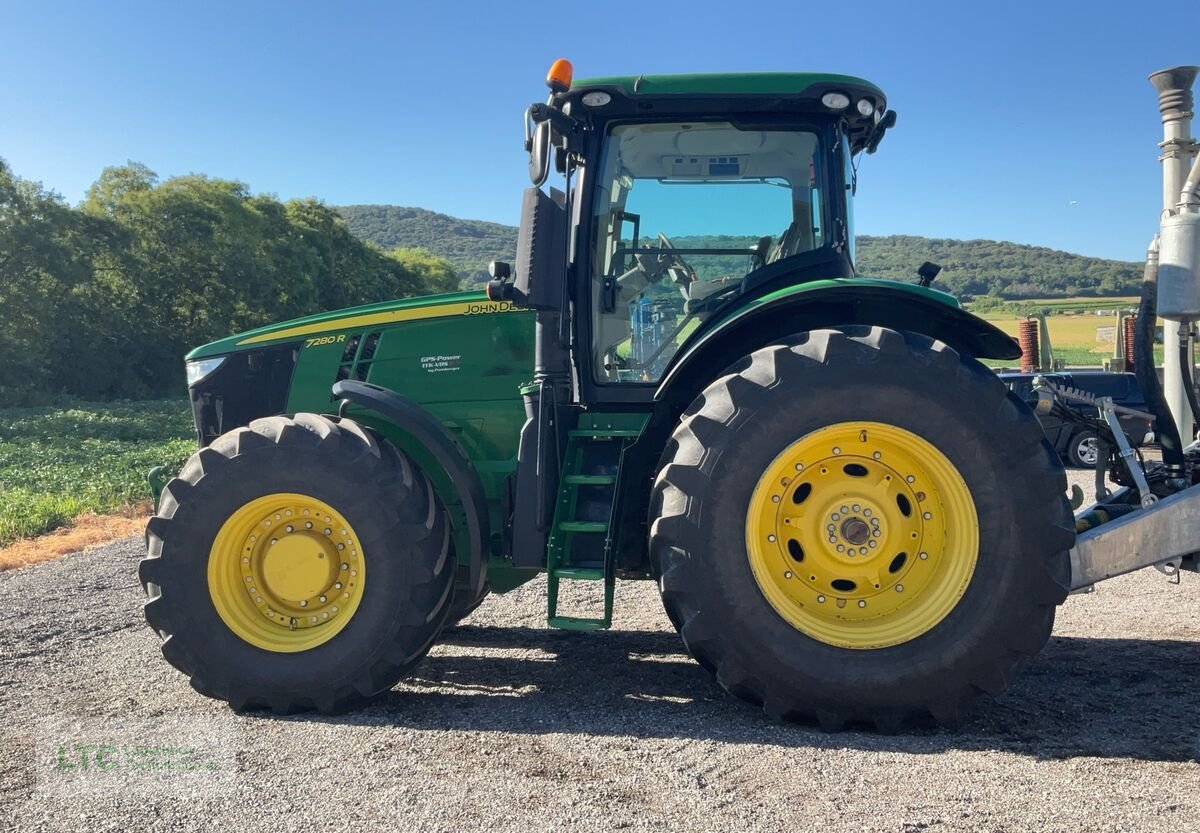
[{"x": 508, "y": 725}]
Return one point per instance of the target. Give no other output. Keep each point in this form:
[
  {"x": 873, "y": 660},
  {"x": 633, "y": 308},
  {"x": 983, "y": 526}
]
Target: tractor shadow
[{"x": 1108, "y": 698}]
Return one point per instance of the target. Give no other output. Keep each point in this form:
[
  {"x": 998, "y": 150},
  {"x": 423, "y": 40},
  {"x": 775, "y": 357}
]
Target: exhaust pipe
[{"x": 1178, "y": 283}]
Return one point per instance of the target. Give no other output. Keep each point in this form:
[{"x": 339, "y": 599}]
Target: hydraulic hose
[{"x": 1147, "y": 376}]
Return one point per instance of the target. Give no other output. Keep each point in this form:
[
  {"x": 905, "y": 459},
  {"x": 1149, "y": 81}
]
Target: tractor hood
[{"x": 369, "y": 315}]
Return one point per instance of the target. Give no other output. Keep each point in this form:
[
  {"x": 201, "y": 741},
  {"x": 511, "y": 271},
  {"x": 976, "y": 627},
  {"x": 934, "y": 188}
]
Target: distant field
[
  {"x": 57, "y": 463},
  {"x": 1054, "y": 305},
  {"x": 1073, "y": 337}
]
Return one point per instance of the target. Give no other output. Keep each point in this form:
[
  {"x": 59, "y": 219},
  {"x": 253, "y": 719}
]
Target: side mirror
[
  {"x": 882, "y": 126},
  {"x": 926, "y": 272},
  {"x": 538, "y": 145}
]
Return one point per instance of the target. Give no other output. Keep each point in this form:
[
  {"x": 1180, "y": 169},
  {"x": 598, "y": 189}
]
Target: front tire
[
  {"x": 766, "y": 486},
  {"x": 297, "y": 564}
]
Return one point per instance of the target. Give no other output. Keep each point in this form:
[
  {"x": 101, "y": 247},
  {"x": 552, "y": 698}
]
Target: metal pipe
[
  {"x": 1189, "y": 196},
  {"x": 1175, "y": 105},
  {"x": 1189, "y": 384}
]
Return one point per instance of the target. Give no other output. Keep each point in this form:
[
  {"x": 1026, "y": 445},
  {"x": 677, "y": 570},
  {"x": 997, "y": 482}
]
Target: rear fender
[{"x": 876, "y": 303}]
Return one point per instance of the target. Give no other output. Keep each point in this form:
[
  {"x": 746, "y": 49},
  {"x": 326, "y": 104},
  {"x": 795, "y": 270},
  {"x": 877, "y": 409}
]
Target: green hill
[
  {"x": 469, "y": 244},
  {"x": 970, "y": 267}
]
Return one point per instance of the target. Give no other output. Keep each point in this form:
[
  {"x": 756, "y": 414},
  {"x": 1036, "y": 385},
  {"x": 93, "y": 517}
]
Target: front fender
[
  {"x": 420, "y": 434},
  {"x": 830, "y": 303}
]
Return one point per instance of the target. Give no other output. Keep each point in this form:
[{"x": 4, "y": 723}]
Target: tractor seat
[{"x": 786, "y": 245}]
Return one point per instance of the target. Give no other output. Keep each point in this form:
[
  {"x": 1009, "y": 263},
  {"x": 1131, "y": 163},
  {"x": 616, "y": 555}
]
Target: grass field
[{"x": 57, "y": 463}]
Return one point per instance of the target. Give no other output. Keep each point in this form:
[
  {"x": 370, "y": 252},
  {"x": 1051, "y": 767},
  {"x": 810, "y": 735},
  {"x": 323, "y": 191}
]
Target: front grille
[{"x": 245, "y": 387}]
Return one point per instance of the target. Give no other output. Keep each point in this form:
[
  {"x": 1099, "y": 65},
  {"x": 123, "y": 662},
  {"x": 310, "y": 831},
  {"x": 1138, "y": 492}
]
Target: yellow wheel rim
[
  {"x": 862, "y": 535},
  {"x": 286, "y": 572}
]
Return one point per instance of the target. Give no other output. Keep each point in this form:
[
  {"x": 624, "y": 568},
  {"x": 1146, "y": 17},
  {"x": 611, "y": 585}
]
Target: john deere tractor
[{"x": 681, "y": 378}]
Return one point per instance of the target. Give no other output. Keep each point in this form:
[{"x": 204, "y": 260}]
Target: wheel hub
[
  {"x": 856, "y": 531},
  {"x": 286, "y": 572},
  {"x": 296, "y": 568},
  {"x": 862, "y": 535}
]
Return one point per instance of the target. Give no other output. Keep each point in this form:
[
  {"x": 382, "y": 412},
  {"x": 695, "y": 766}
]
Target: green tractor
[{"x": 681, "y": 378}]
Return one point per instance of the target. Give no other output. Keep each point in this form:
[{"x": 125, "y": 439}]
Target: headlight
[
  {"x": 836, "y": 101},
  {"x": 197, "y": 370}
]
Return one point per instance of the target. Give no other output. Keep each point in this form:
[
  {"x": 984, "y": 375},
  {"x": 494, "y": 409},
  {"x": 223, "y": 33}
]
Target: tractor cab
[
  {"x": 680, "y": 199},
  {"x": 681, "y": 215}
]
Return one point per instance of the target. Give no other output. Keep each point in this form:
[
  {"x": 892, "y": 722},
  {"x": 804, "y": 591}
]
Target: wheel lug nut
[
  {"x": 840, "y": 548},
  {"x": 345, "y": 566},
  {"x": 856, "y": 507},
  {"x": 876, "y": 455},
  {"x": 290, "y": 529},
  {"x": 820, "y": 599},
  {"x": 328, "y": 530},
  {"x": 927, "y": 515},
  {"x": 303, "y": 603},
  {"x": 771, "y": 538},
  {"x": 923, "y": 556},
  {"x": 836, "y": 450},
  {"x": 323, "y": 600},
  {"x": 337, "y": 585},
  {"x": 871, "y": 544},
  {"x": 787, "y": 575},
  {"x": 909, "y": 479},
  {"x": 867, "y": 512},
  {"x": 835, "y": 516},
  {"x": 899, "y": 588},
  {"x": 845, "y": 510},
  {"x": 862, "y": 602}
]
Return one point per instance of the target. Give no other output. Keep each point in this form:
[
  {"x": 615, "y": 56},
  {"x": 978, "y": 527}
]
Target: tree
[{"x": 105, "y": 300}]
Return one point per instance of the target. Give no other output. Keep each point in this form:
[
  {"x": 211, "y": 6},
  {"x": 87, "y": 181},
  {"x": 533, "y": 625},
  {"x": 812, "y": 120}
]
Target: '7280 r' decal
[{"x": 318, "y": 342}]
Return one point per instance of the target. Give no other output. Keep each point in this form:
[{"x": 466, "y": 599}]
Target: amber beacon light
[{"x": 558, "y": 78}]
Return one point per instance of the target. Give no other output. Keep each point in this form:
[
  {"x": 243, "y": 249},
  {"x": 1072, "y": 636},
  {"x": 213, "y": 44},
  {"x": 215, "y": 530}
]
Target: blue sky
[{"x": 1030, "y": 122}]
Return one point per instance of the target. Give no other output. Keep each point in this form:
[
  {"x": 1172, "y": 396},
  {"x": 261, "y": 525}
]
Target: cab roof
[
  {"x": 798, "y": 84},
  {"x": 714, "y": 93}
]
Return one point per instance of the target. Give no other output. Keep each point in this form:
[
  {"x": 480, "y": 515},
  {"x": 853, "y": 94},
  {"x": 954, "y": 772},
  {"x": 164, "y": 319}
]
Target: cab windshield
[{"x": 683, "y": 212}]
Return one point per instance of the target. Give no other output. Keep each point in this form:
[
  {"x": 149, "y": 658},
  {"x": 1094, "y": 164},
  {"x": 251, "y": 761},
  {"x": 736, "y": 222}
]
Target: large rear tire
[
  {"x": 860, "y": 525},
  {"x": 297, "y": 564}
]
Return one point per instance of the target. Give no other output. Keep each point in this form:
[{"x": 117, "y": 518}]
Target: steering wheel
[{"x": 681, "y": 273}]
